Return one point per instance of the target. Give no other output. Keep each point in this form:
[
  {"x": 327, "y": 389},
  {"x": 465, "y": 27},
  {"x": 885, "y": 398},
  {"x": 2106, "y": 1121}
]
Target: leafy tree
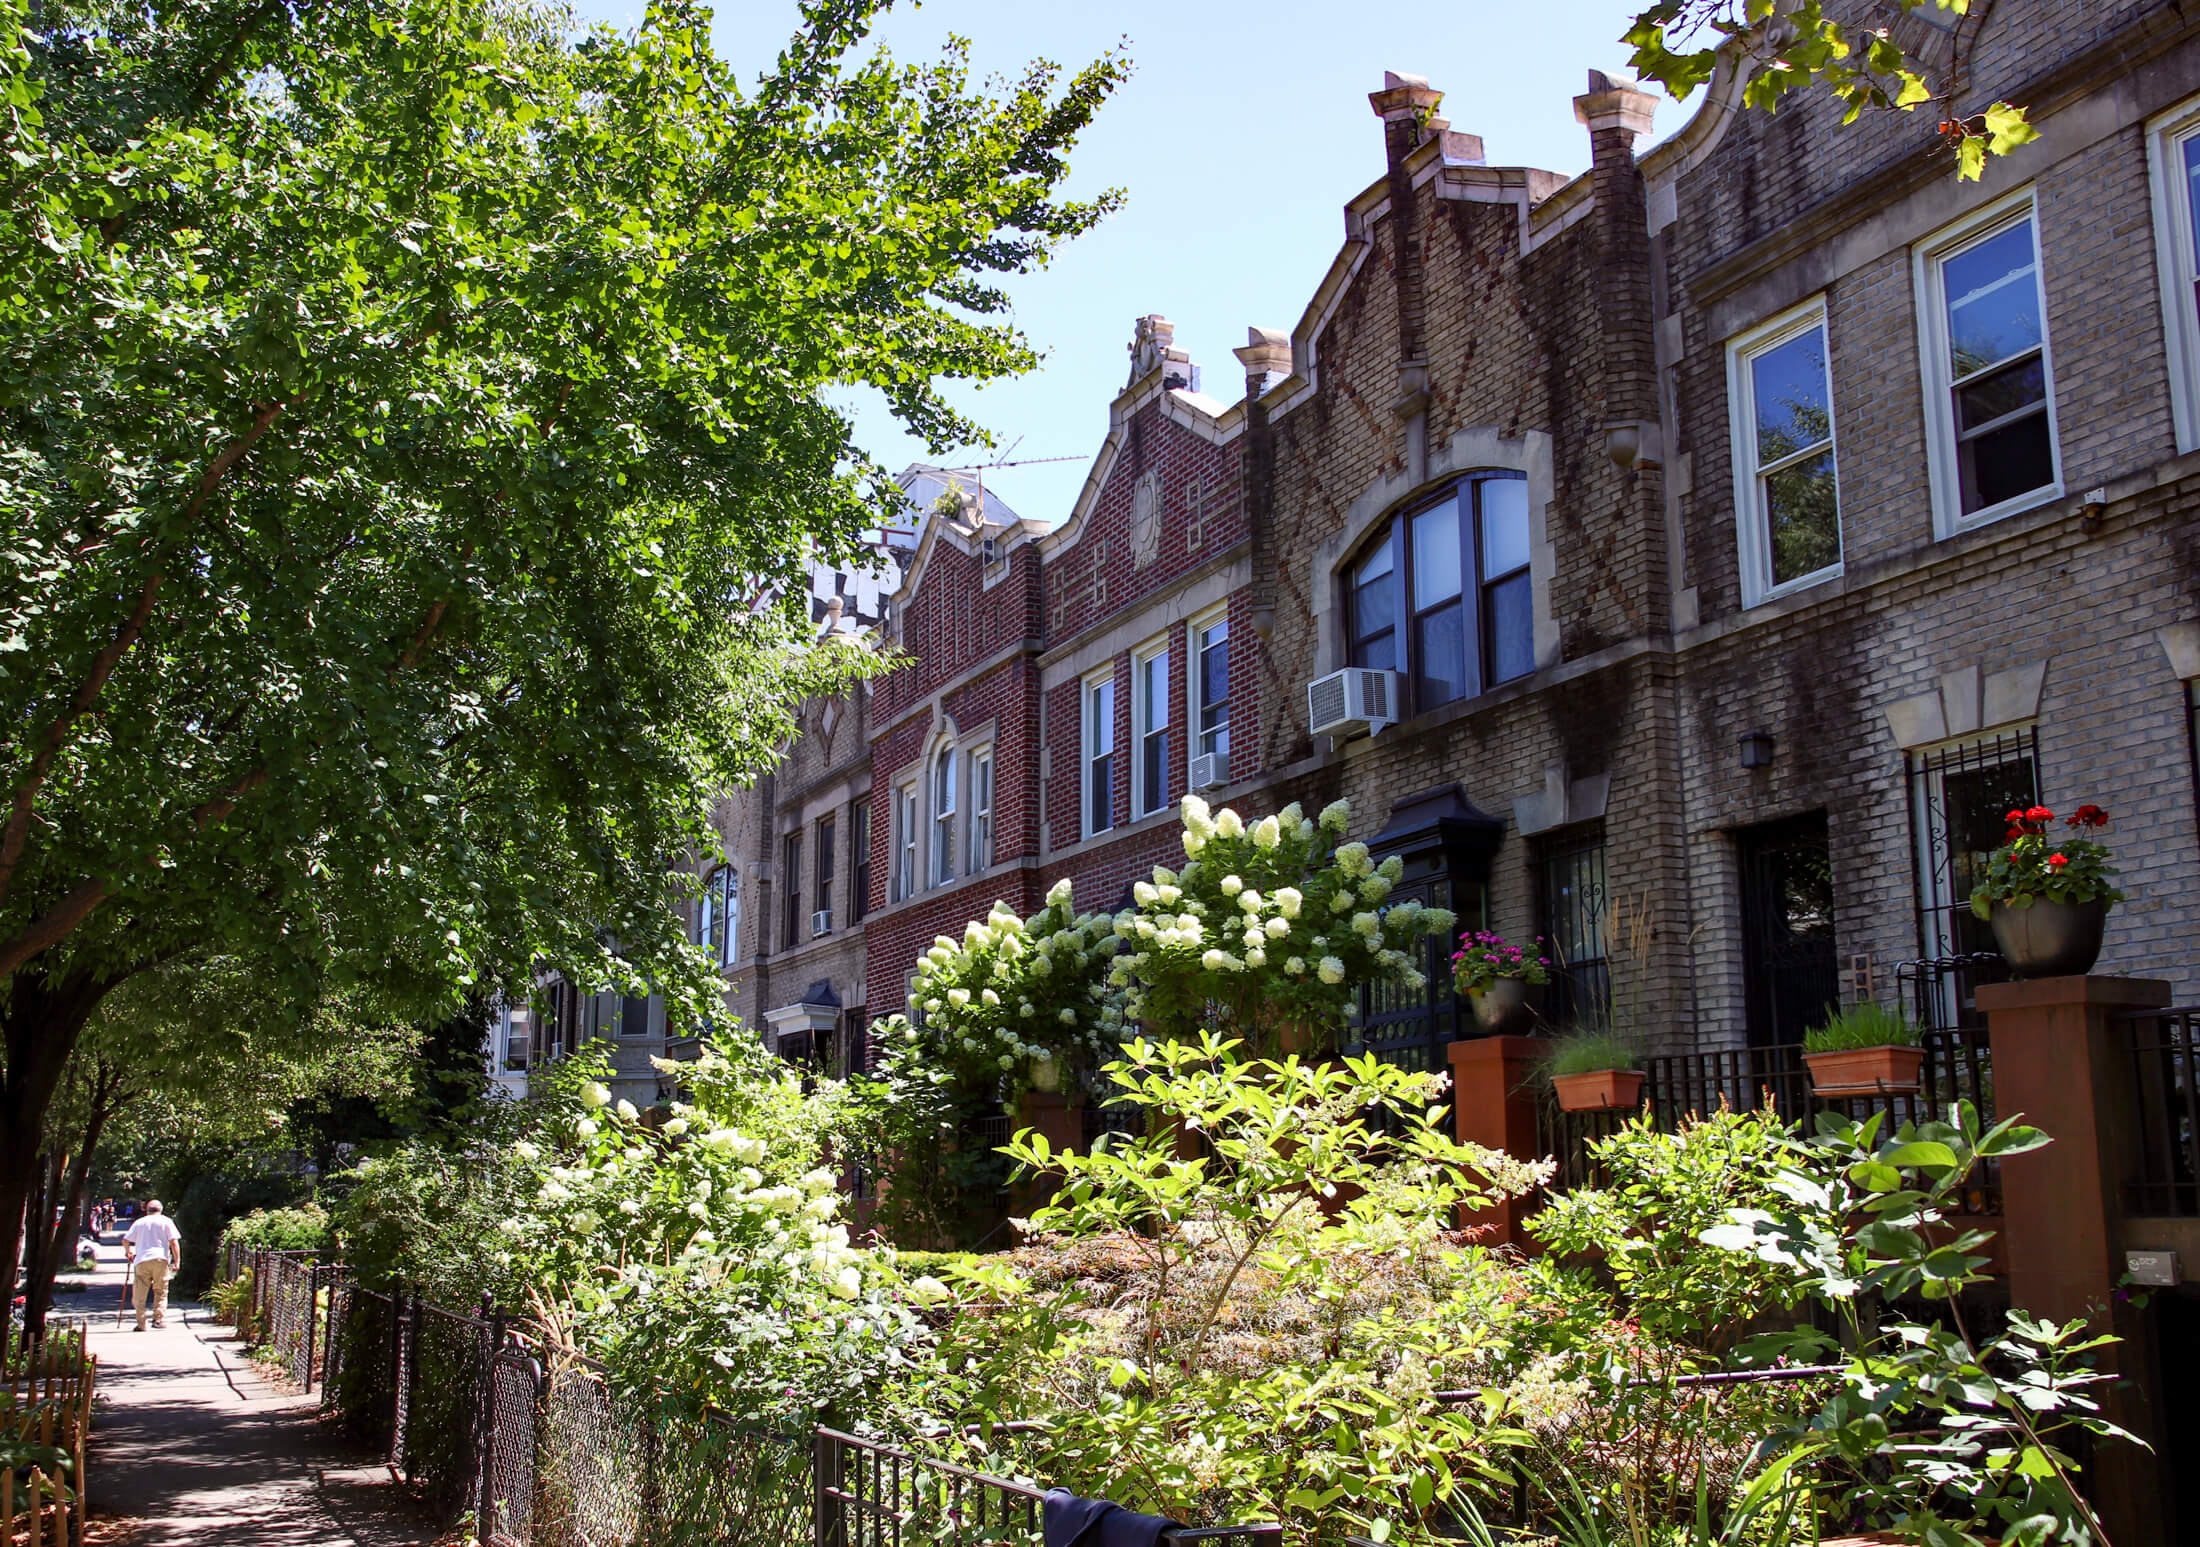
[
  {"x": 1796, "y": 47},
  {"x": 403, "y": 406}
]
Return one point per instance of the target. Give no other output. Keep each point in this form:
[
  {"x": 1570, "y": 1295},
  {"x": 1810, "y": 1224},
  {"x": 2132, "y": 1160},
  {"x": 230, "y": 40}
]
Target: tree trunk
[
  {"x": 43, "y": 1251},
  {"x": 65, "y": 1203},
  {"x": 39, "y": 1024}
]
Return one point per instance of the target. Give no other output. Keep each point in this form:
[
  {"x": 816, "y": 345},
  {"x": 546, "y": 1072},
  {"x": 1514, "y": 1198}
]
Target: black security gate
[{"x": 1790, "y": 967}]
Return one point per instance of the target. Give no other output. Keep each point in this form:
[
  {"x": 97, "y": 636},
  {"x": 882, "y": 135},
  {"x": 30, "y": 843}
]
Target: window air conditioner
[
  {"x": 1347, "y": 702},
  {"x": 821, "y": 922},
  {"x": 1210, "y": 769}
]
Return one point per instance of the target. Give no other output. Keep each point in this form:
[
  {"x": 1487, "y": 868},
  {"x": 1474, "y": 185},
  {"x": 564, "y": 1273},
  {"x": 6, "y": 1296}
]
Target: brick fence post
[
  {"x": 1062, "y": 1124},
  {"x": 2060, "y": 1062},
  {"x": 1494, "y": 1105}
]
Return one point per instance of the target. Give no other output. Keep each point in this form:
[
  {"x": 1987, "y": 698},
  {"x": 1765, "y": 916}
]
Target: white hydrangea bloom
[
  {"x": 595, "y": 1094},
  {"x": 1249, "y": 900},
  {"x": 1343, "y": 902},
  {"x": 1231, "y": 886},
  {"x": 1060, "y": 894},
  {"x": 1267, "y": 832},
  {"x": 928, "y": 1290},
  {"x": 1255, "y": 957},
  {"x": 586, "y": 1127},
  {"x": 1277, "y": 928},
  {"x": 1337, "y": 815},
  {"x": 527, "y": 1151},
  {"x": 1295, "y": 966},
  {"x": 1143, "y": 894},
  {"x": 1366, "y": 925},
  {"x": 1228, "y": 824},
  {"x": 1375, "y": 888},
  {"x": 1288, "y": 900},
  {"x": 991, "y": 1000},
  {"x": 1332, "y": 970},
  {"x": 1066, "y": 1016},
  {"x": 626, "y": 1110}
]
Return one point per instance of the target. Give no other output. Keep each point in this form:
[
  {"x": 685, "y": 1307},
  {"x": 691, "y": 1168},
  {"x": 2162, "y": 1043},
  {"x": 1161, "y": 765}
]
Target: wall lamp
[{"x": 1756, "y": 749}]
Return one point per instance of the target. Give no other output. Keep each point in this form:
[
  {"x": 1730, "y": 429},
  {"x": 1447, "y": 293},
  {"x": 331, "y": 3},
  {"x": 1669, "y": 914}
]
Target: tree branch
[
  {"x": 56, "y": 734},
  {"x": 55, "y": 925}
]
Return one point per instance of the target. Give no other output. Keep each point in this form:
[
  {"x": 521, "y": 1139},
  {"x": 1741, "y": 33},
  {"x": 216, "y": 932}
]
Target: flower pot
[
  {"x": 1865, "y": 1071},
  {"x": 1503, "y": 1006},
  {"x": 2050, "y": 939},
  {"x": 1599, "y": 1090},
  {"x": 1046, "y": 1072}
]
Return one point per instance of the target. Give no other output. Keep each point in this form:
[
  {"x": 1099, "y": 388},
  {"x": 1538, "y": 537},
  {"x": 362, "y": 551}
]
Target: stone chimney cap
[
  {"x": 1266, "y": 356},
  {"x": 1403, "y": 96},
  {"x": 1613, "y": 102}
]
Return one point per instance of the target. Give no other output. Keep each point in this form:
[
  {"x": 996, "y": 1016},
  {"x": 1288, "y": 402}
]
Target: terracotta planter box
[
  {"x": 1600, "y": 1090},
  {"x": 1865, "y": 1071}
]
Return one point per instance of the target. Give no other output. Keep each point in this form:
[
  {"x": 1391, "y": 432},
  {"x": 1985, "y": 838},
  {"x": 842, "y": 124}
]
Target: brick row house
[{"x": 1693, "y": 559}]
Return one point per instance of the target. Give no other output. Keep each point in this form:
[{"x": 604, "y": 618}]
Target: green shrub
[
  {"x": 304, "y": 1228},
  {"x": 1862, "y": 1025},
  {"x": 1588, "y": 1050}
]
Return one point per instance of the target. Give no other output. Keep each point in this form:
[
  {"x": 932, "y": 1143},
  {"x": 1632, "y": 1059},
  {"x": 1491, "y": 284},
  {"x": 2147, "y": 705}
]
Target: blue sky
[{"x": 1238, "y": 139}]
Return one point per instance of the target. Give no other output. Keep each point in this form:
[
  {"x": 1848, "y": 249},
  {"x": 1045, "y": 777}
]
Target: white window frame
[
  {"x": 2177, "y": 264},
  {"x": 945, "y": 806},
  {"x": 1145, "y": 802},
  {"x": 980, "y": 764},
  {"x": 1942, "y": 457},
  {"x": 1753, "y": 521},
  {"x": 905, "y": 841},
  {"x": 1089, "y": 751},
  {"x": 1195, "y": 683}
]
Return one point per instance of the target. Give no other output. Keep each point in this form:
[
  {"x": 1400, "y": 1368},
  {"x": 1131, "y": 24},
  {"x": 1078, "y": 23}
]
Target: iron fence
[
  {"x": 869, "y": 1494},
  {"x": 2163, "y": 1049},
  {"x": 1958, "y": 1066}
]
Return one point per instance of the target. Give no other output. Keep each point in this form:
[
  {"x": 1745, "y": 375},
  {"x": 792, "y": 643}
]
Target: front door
[{"x": 1789, "y": 963}]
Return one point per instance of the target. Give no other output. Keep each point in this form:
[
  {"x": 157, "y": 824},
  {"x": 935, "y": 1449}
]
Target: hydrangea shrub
[
  {"x": 1271, "y": 928},
  {"x": 1015, "y": 992}
]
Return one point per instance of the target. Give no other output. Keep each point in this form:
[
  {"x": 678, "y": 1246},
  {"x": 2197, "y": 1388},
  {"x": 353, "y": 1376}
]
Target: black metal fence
[
  {"x": 869, "y": 1494},
  {"x": 1958, "y": 1066},
  {"x": 2163, "y": 1049}
]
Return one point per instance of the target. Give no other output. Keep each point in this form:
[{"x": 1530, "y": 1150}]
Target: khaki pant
[{"x": 150, "y": 1275}]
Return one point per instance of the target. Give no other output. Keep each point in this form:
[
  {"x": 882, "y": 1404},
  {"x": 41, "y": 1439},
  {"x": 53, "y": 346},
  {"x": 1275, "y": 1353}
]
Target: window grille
[
  {"x": 1574, "y": 900},
  {"x": 1960, "y": 799}
]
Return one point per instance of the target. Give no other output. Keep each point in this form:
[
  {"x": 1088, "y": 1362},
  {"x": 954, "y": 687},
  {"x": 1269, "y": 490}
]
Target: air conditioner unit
[
  {"x": 1347, "y": 702},
  {"x": 821, "y": 922},
  {"x": 1210, "y": 769}
]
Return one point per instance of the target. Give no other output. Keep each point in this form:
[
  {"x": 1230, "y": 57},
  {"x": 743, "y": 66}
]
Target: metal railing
[
  {"x": 1958, "y": 1066},
  {"x": 869, "y": 1494},
  {"x": 2163, "y": 1052}
]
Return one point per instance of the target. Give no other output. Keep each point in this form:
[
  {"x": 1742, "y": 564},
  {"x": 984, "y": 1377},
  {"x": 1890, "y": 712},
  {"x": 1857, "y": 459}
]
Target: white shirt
[{"x": 152, "y": 1235}]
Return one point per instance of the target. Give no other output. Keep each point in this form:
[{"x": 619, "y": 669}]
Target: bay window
[{"x": 1443, "y": 594}]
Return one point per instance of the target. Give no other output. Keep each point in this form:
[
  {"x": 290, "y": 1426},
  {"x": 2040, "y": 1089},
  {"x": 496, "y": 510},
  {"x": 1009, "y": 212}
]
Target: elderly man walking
[{"x": 152, "y": 1248}]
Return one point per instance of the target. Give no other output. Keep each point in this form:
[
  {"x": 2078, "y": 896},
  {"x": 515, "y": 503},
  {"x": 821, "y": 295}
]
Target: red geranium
[{"x": 2029, "y": 866}]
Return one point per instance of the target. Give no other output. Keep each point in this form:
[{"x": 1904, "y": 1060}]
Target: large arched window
[
  {"x": 1442, "y": 595},
  {"x": 943, "y": 816}
]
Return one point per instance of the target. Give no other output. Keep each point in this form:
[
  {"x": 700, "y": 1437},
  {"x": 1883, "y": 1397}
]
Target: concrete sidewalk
[{"x": 198, "y": 1450}]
